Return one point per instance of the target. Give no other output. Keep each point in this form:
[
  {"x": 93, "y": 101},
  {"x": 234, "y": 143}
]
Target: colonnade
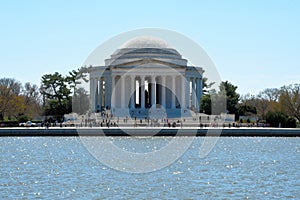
[
  {"x": 146, "y": 91},
  {"x": 100, "y": 91}
]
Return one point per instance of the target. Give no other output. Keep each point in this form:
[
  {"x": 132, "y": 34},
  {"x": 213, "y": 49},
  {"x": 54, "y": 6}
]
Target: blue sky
[{"x": 254, "y": 44}]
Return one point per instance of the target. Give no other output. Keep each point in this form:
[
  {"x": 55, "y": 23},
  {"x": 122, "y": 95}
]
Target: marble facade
[{"x": 145, "y": 74}]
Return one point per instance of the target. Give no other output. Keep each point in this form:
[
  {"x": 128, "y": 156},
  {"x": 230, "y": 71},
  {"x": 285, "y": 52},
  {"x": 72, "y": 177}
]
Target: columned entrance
[{"x": 147, "y": 91}]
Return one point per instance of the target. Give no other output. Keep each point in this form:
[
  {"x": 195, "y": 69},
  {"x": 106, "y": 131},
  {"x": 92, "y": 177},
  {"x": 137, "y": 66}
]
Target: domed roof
[
  {"x": 145, "y": 42},
  {"x": 145, "y": 47}
]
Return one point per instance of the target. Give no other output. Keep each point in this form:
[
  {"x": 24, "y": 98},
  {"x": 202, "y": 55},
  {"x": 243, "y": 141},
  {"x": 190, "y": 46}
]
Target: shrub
[
  {"x": 291, "y": 123},
  {"x": 23, "y": 118},
  {"x": 276, "y": 119}
]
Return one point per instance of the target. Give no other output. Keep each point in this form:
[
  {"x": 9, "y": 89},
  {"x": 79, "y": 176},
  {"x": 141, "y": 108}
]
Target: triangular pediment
[{"x": 145, "y": 61}]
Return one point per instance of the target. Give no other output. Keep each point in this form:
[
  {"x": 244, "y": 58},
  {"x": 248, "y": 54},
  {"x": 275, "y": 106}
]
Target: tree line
[
  {"x": 17, "y": 100},
  {"x": 279, "y": 107},
  {"x": 57, "y": 94},
  {"x": 53, "y": 98}
]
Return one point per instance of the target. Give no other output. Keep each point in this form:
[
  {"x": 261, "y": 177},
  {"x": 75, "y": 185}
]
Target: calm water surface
[{"x": 237, "y": 168}]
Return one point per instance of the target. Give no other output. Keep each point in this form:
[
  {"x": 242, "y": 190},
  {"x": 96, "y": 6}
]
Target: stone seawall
[{"x": 227, "y": 132}]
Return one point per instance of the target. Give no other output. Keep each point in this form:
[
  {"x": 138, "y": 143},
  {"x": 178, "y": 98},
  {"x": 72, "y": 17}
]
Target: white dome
[
  {"x": 144, "y": 47},
  {"x": 145, "y": 42}
]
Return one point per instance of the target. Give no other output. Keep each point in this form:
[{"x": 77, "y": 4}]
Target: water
[{"x": 236, "y": 168}]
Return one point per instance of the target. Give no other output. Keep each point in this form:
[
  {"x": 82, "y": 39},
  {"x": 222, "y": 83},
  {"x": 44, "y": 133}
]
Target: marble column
[
  {"x": 194, "y": 92},
  {"x": 96, "y": 93},
  {"x": 142, "y": 85},
  {"x": 100, "y": 93},
  {"x": 92, "y": 94},
  {"x": 113, "y": 91},
  {"x": 173, "y": 94},
  {"x": 200, "y": 93},
  {"x": 153, "y": 91},
  {"x": 183, "y": 88},
  {"x": 122, "y": 91},
  {"x": 187, "y": 93},
  {"x": 163, "y": 92},
  {"x": 107, "y": 94},
  {"x": 132, "y": 92},
  {"x": 197, "y": 94}
]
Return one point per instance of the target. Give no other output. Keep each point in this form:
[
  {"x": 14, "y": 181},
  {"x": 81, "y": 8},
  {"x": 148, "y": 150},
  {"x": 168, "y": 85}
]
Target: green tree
[
  {"x": 206, "y": 104},
  {"x": 246, "y": 110},
  {"x": 279, "y": 119},
  {"x": 56, "y": 94},
  {"x": 231, "y": 95},
  {"x": 81, "y": 101},
  {"x": 206, "y": 86},
  {"x": 76, "y": 77},
  {"x": 246, "y": 106},
  {"x": 217, "y": 102}
]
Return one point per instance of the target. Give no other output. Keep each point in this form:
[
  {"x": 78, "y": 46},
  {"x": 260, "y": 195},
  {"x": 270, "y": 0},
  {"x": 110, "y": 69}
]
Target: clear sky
[{"x": 254, "y": 44}]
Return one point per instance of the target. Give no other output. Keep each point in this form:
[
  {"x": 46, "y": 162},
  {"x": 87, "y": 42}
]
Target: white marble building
[{"x": 143, "y": 76}]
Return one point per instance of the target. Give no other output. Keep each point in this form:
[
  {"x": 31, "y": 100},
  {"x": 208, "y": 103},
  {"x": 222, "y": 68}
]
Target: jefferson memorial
[{"x": 143, "y": 77}]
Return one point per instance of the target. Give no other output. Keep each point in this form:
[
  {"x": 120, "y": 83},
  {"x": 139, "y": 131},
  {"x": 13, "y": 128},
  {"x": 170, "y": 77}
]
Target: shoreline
[{"x": 132, "y": 132}]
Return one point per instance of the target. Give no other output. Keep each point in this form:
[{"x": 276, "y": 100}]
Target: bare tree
[
  {"x": 290, "y": 100},
  {"x": 11, "y": 101},
  {"x": 32, "y": 99},
  {"x": 271, "y": 94}
]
